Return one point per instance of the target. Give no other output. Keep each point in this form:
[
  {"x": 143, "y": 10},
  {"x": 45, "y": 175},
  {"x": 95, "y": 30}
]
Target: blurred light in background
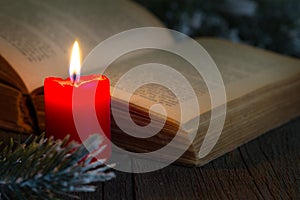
[{"x": 270, "y": 24}]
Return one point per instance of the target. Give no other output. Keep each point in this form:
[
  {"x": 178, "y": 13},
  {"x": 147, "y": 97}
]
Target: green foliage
[
  {"x": 43, "y": 168},
  {"x": 270, "y": 24}
]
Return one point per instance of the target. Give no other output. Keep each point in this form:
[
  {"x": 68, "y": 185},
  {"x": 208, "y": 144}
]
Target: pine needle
[{"x": 43, "y": 168}]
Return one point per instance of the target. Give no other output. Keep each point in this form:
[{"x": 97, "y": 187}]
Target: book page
[
  {"x": 243, "y": 68},
  {"x": 36, "y": 36},
  {"x": 150, "y": 94}
]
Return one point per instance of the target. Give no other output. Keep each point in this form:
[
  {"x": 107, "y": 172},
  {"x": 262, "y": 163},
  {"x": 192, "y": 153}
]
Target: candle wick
[{"x": 74, "y": 78}]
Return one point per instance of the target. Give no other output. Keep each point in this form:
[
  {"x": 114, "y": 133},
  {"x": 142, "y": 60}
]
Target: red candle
[{"x": 60, "y": 104}]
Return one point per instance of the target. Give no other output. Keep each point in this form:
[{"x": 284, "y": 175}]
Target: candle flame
[{"x": 75, "y": 65}]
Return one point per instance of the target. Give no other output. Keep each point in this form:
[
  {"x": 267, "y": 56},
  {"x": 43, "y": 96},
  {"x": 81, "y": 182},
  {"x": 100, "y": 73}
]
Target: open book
[{"x": 262, "y": 88}]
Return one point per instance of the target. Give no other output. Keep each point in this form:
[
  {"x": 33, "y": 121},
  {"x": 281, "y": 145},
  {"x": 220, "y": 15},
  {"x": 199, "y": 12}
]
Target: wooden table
[{"x": 266, "y": 168}]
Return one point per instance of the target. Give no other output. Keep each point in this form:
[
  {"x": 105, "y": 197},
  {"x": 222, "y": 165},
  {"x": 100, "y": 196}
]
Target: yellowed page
[
  {"x": 243, "y": 68},
  {"x": 36, "y": 36}
]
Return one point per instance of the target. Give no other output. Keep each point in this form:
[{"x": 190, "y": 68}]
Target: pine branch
[{"x": 43, "y": 168}]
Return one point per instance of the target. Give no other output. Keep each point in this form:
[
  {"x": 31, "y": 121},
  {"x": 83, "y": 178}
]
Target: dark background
[{"x": 269, "y": 24}]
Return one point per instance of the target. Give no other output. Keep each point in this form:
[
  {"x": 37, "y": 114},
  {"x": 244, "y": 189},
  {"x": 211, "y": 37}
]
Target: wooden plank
[
  {"x": 172, "y": 182},
  {"x": 226, "y": 178},
  {"x": 266, "y": 168},
  {"x": 274, "y": 162},
  {"x": 119, "y": 188},
  {"x": 122, "y": 186}
]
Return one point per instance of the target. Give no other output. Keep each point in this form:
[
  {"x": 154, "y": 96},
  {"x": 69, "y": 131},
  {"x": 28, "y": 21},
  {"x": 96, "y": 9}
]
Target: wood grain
[{"x": 266, "y": 168}]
